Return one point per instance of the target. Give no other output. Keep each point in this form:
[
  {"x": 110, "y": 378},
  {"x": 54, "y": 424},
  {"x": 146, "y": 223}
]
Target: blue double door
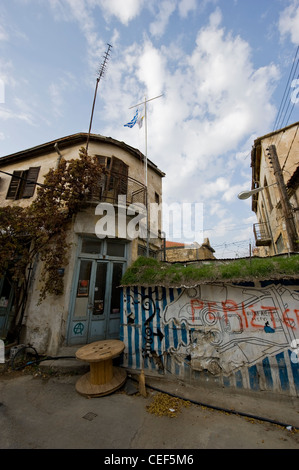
[{"x": 95, "y": 307}]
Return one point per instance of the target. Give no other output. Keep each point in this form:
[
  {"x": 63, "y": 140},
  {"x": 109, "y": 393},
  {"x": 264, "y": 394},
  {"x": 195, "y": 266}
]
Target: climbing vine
[{"x": 39, "y": 231}]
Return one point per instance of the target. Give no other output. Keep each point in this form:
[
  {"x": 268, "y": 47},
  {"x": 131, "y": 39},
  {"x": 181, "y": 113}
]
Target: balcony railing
[
  {"x": 262, "y": 234},
  {"x": 115, "y": 184}
]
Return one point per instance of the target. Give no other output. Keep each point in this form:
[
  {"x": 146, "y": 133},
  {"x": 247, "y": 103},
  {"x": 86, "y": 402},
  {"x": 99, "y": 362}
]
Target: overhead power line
[{"x": 279, "y": 122}]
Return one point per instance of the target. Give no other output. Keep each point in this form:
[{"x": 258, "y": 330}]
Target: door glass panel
[
  {"x": 115, "y": 291},
  {"x": 91, "y": 246},
  {"x": 100, "y": 289},
  {"x": 116, "y": 249},
  {"x": 81, "y": 302}
]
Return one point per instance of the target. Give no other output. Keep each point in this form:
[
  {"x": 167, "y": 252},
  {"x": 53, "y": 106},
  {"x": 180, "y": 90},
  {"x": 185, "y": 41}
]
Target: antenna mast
[{"x": 100, "y": 75}]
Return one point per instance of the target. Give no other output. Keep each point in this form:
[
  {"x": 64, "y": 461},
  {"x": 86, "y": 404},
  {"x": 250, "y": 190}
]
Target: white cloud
[
  {"x": 214, "y": 101},
  {"x": 81, "y": 12},
  {"x": 124, "y": 11},
  {"x": 3, "y": 34},
  {"x": 166, "y": 8},
  {"x": 214, "y": 104},
  {"x": 185, "y": 6},
  {"x": 289, "y": 21},
  {"x": 7, "y": 113},
  {"x": 57, "y": 91},
  {"x": 151, "y": 69}
]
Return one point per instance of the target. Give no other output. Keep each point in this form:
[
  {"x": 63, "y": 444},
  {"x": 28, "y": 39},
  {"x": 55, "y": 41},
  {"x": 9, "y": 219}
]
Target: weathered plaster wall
[
  {"x": 48, "y": 161},
  {"x": 230, "y": 335},
  {"x": 45, "y": 322}
]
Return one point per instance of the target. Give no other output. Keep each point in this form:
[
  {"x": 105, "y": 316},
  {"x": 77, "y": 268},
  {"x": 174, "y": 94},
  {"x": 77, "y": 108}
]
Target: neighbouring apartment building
[
  {"x": 275, "y": 168},
  {"x": 89, "y": 309},
  {"x": 181, "y": 252}
]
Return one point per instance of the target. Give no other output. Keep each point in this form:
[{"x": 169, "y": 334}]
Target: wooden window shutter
[
  {"x": 120, "y": 170},
  {"x": 29, "y": 186},
  {"x": 15, "y": 184},
  {"x": 101, "y": 160}
]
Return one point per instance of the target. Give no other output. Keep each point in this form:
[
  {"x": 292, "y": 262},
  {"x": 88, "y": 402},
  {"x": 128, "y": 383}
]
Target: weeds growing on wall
[{"x": 148, "y": 271}]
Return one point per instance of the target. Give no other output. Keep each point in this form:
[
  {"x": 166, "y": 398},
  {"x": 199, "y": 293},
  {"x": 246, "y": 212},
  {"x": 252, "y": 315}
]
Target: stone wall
[{"x": 192, "y": 252}]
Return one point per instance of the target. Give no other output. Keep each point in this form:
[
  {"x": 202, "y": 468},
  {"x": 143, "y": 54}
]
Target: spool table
[{"x": 103, "y": 378}]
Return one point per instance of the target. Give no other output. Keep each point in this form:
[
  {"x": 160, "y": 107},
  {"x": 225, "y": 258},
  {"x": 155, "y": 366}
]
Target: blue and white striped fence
[{"x": 249, "y": 339}]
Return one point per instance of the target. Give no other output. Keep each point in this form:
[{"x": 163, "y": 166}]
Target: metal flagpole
[
  {"x": 146, "y": 190},
  {"x": 145, "y": 169},
  {"x": 145, "y": 132},
  {"x": 145, "y": 118}
]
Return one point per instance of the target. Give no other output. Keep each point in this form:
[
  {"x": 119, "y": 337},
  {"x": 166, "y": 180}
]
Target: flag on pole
[
  {"x": 133, "y": 122},
  {"x": 140, "y": 119}
]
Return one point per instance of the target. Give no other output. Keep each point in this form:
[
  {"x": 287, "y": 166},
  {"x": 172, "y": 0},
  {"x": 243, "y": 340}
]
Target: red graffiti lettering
[
  {"x": 296, "y": 311},
  {"x": 230, "y": 306},
  {"x": 244, "y": 315},
  {"x": 288, "y": 321},
  {"x": 196, "y": 304},
  {"x": 212, "y": 311}
]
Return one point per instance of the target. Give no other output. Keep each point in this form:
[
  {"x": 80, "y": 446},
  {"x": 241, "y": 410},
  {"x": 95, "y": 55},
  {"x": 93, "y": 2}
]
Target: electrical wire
[
  {"x": 290, "y": 149},
  {"x": 279, "y": 124}
]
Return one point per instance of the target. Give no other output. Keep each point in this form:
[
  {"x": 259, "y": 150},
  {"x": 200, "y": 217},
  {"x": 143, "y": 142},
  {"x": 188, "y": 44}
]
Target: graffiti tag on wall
[{"x": 232, "y": 326}]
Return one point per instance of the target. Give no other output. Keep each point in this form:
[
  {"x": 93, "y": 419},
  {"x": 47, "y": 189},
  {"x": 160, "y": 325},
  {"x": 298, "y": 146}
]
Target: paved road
[{"x": 48, "y": 413}]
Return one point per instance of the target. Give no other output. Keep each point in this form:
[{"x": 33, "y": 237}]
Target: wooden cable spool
[{"x": 103, "y": 378}]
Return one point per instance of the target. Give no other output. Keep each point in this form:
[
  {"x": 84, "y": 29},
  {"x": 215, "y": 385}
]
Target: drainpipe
[
  {"x": 163, "y": 236},
  {"x": 59, "y": 154}
]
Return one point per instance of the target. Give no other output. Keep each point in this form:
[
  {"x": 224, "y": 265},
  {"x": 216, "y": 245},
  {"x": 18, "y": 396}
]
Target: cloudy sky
[{"x": 222, "y": 67}]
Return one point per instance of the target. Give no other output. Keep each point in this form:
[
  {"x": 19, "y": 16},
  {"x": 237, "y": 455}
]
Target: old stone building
[
  {"x": 180, "y": 252},
  {"x": 275, "y": 191},
  {"x": 89, "y": 309}
]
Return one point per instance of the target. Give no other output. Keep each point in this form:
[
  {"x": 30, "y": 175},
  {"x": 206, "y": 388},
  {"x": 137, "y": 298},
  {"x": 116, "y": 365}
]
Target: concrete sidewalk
[
  {"x": 46, "y": 412},
  {"x": 281, "y": 409}
]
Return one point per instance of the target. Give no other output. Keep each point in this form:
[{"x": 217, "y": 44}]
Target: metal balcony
[
  {"x": 262, "y": 234},
  {"x": 115, "y": 184}
]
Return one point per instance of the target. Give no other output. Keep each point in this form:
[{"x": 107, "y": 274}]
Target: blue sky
[{"x": 221, "y": 65}]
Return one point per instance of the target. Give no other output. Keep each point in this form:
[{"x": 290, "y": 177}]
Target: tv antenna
[{"x": 100, "y": 74}]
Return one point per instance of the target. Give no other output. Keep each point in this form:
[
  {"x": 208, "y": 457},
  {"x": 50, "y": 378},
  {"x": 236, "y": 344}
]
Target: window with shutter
[
  {"x": 29, "y": 186},
  {"x": 15, "y": 184},
  {"x": 120, "y": 180},
  {"x": 115, "y": 181},
  {"x": 23, "y": 183}
]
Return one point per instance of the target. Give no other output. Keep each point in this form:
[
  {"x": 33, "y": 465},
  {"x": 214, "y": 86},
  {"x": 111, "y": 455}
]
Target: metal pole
[
  {"x": 268, "y": 223},
  {"x": 145, "y": 163},
  {"x": 146, "y": 189},
  {"x": 101, "y": 73},
  {"x": 93, "y": 105},
  {"x": 285, "y": 203},
  {"x": 145, "y": 131}
]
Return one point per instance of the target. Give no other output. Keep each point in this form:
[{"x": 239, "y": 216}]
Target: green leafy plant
[{"x": 39, "y": 231}]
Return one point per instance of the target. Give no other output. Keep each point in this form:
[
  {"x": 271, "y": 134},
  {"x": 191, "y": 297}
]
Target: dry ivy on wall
[{"x": 40, "y": 230}]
